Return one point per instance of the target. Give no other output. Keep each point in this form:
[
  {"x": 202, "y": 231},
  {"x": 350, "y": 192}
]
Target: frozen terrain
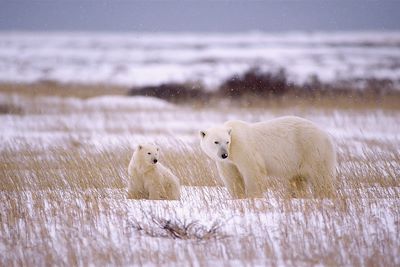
[
  {"x": 151, "y": 58},
  {"x": 108, "y": 121},
  {"x": 63, "y": 200}
]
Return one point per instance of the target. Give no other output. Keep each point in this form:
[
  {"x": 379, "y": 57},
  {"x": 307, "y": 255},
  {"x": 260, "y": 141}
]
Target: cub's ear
[
  {"x": 202, "y": 134},
  {"x": 229, "y": 131},
  {"x": 158, "y": 149},
  {"x": 139, "y": 147}
]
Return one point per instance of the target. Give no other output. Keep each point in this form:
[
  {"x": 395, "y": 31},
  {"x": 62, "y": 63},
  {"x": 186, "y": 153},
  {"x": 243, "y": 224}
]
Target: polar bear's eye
[
  {"x": 148, "y": 153},
  {"x": 227, "y": 142},
  {"x": 216, "y": 142}
]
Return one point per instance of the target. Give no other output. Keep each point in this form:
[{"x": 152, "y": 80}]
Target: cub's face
[
  {"x": 215, "y": 142},
  {"x": 148, "y": 153}
]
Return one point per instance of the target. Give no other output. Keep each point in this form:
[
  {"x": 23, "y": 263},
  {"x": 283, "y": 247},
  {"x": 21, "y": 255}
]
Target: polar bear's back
[
  {"x": 283, "y": 143},
  {"x": 285, "y": 124},
  {"x": 289, "y": 128}
]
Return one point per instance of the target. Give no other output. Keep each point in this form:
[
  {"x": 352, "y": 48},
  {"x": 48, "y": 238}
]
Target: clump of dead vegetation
[{"x": 178, "y": 229}]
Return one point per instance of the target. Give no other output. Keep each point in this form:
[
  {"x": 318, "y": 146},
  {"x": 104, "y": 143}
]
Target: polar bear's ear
[
  {"x": 139, "y": 147},
  {"x": 229, "y": 131},
  {"x": 202, "y": 134}
]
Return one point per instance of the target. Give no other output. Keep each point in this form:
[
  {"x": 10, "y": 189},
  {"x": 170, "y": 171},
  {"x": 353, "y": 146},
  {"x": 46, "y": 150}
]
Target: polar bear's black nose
[
  {"x": 155, "y": 161},
  {"x": 224, "y": 156}
]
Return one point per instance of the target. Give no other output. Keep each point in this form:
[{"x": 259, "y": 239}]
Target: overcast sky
[{"x": 187, "y": 16}]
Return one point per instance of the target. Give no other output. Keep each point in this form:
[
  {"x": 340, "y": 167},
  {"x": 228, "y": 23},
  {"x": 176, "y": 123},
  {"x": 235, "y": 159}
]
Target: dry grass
[
  {"x": 74, "y": 167},
  {"x": 65, "y": 203},
  {"x": 289, "y": 100},
  {"x": 62, "y": 90},
  {"x": 69, "y": 207}
]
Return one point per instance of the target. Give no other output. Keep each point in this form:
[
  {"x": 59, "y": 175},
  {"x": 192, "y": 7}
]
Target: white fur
[
  {"x": 149, "y": 179},
  {"x": 287, "y": 148}
]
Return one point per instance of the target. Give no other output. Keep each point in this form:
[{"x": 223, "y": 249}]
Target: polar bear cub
[
  {"x": 291, "y": 149},
  {"x": 149, "y": 179}
]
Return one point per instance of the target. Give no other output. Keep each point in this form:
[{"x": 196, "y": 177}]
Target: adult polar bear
[{"x": 289, "y": 148}]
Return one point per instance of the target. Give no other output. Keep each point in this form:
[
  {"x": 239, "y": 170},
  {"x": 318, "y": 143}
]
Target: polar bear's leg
[
  {"x": 232, "y": 178},
  {"x": 321, "y": 180},
  {"x": 323, "y": 187},
  {"x": 327, "y": 182},
  {"x": 319, "y": 167},
  {"x": 254, "y": 173},
  {"x": 252, "y": 182}
]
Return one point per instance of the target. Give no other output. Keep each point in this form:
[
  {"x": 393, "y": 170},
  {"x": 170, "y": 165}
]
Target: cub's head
[
  {"x": 147, "y": 154},
  {"x": 215, "y": 142}
]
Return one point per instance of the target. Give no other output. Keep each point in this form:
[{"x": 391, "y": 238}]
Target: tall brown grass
[
  {"x": 67, "y": 206},
  {"x": 65, "y": 203}
]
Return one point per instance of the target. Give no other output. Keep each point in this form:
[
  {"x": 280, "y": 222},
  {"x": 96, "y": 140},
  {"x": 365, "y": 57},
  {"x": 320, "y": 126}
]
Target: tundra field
[{"x": 63, "y": 171}]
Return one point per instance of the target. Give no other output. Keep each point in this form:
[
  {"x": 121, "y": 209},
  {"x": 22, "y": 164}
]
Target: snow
[
  {"x": 264, "y": 221},
  {"x": 152, "y": 58},
  {"x": 121, "y": 102},
  {"x": 96, "y": 221},
  {"x": 113, "y": 120}
]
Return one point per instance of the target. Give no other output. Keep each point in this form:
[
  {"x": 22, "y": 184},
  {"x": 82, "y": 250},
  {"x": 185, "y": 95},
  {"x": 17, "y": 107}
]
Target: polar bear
[
  {"x": 291, "y": 149},
  {"x": 149, "y": 179}
]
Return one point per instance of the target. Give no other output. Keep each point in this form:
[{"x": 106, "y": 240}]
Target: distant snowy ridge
[{"x": 152, "y": 58}]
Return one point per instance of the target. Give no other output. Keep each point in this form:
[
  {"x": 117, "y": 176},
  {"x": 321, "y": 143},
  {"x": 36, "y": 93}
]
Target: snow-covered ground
[
  {"x": 205, "y": 228},
  {"x": 75, "y": 212},
  {"x": 114, "y": 120},
  {"x": 152, "y": 58}
]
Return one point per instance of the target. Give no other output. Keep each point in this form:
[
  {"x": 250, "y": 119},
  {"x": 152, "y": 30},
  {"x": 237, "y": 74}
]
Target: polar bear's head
[
  {"x": 215, "y": 142},
  {"x": 147, "y": 154}
]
